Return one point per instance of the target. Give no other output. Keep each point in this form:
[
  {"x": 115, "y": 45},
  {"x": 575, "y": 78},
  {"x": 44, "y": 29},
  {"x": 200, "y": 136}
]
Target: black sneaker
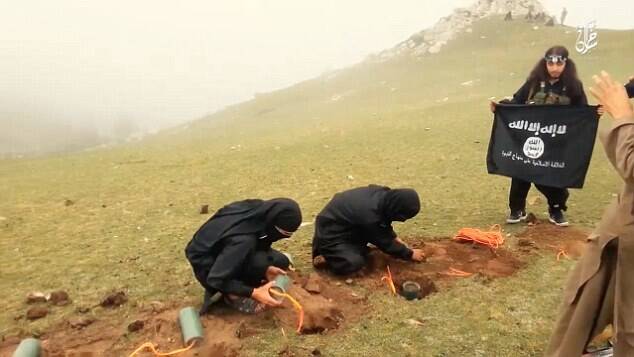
[
  {"x": 244, "y": 304},
  {"x": 556, "y": 216},
  {"x": 517, "y": 216}
]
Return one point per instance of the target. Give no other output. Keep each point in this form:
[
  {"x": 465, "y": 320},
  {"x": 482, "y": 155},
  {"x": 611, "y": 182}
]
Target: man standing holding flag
[{"x": 547, "y": 159}]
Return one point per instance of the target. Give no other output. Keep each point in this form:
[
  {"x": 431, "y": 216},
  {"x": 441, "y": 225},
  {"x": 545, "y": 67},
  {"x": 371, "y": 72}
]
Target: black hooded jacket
[
  {"x": 225, "y": 242},
  {"x": 364, "y": 215},
  {"x": 526, "y": 92}
]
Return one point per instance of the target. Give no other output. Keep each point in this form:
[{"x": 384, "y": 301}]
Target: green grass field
[{"x": 406, "y": 122}]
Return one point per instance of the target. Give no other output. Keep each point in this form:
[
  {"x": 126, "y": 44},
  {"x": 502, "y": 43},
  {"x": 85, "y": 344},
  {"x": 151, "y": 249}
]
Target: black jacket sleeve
[
  {"x": 521, "y": 96},
  {"x": 383, "y": 237},
  {"x": 224, "y": 272}
]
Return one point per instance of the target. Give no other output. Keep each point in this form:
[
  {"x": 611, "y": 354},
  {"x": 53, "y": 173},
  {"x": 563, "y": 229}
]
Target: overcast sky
[{"x": 164, "y": 62}]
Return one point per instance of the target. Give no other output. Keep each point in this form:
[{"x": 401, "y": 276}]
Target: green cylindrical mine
[
  {"x": 191, "y": 328},
  {"x": 410, "y": 290},
  {"x": 281, "y": 285},
  {"x": 29, "y": 347}
]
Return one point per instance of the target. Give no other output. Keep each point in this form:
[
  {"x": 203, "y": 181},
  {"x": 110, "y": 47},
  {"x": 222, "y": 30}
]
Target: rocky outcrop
[{"x": 431, "y": 41}]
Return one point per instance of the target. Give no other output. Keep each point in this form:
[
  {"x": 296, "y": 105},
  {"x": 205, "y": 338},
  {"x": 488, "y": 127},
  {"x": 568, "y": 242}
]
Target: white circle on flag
[{"x": 534, "y": 147}]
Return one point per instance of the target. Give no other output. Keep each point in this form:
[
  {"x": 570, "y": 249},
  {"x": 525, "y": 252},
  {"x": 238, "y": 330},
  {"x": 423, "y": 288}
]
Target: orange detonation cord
[
  {"x": 390, "y": 282},
  {"x": 561, "y": 252},
  {"x": 150, "y": 346},
  {"x": 492, "y": 239},
  {"x": 456, "y": 272},
  {"x": 297, "y": 306}
]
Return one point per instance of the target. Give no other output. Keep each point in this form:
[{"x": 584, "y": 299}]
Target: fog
[{"x": 153, "y": 64}]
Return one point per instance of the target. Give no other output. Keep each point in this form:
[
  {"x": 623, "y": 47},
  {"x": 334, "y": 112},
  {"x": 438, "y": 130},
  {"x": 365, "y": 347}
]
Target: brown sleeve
[{"x": 618, "y": 142}]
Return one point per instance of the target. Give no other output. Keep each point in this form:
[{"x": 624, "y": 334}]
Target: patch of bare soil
[
  {"x": 446, "y": 260},
  {"x": 334, "y": 306},
  {"x": 330, "y": 303},
  {"x": 564, "y": 242}
]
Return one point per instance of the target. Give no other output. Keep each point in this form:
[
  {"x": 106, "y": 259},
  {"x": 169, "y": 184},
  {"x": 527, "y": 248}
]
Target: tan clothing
[{"x": 600, "y": 289}]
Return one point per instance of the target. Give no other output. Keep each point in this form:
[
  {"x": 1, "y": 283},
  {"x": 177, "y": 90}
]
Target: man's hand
[
  {"x": 612, "y": 96},
  {"x": 272, "y": 272},
  {"x": 263, "y": 296},
  {"x": 418, "y": 255}
]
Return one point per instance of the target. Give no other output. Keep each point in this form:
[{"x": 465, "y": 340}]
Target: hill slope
[{"x": 416, "y": 121}]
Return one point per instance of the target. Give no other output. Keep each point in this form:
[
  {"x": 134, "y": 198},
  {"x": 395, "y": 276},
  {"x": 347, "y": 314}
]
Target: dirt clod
[
  {"x": 114, "y": 300},
  {"x": 204, "y": 209},
  {"x": 136, "y": 325},
  {"x": 82, "y": 309},
  {"x": 320, "y": 314},
  {"x": 59, "y": 298},
  {"x": 80, "y": 322},
  {"x": 525, "y": 242},
  {"x": 35, "y": 297},
  {"x": 36, "y": 312},
  {"x": 313, "y": 283}
]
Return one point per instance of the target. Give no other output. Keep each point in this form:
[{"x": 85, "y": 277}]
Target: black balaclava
[
  {"x": 284, "y": 215},
  {"x": 400, "y": 204}
]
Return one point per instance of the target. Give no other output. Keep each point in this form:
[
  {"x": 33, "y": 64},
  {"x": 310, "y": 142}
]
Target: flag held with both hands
[{"x": 550, "y": 145}]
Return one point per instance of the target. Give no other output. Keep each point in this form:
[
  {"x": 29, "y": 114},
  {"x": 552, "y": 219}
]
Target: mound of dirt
[
  {"x": 569, "y": 241},
  {"x": 443, "y": 259},
  {"x": 320, "y": 313}
]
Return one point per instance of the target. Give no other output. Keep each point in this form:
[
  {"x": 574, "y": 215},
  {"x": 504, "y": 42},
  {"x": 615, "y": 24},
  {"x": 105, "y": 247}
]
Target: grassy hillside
[{"x": 406, "y": 122}]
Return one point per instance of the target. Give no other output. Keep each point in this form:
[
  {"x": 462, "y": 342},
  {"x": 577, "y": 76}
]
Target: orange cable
[
  {"x": 297, "y": 306},
  {"x": 456, "y": 272},
  {"x": 390, "y": 281},
  {"x": 150, "y": 345},
  {"x": 562, "y": 253},
  {"x": 492, "y": 238}
]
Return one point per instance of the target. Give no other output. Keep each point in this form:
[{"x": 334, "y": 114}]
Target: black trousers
[
  {"x": 345, "y": 258},
  {"x": 256, "y": 262},
  {"x": 336, "y": 245},
  {"x": 556, "y": 196}
]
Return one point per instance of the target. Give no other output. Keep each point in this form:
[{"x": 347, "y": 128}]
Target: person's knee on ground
[{"x": 345, "y": 265}]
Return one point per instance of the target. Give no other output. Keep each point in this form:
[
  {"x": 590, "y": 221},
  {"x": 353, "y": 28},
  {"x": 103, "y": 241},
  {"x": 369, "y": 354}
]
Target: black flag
[{"x": 550, "y": 145}]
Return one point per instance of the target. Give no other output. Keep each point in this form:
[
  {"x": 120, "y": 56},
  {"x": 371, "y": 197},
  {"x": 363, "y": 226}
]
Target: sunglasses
[{"x": 555, "y": 60}]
